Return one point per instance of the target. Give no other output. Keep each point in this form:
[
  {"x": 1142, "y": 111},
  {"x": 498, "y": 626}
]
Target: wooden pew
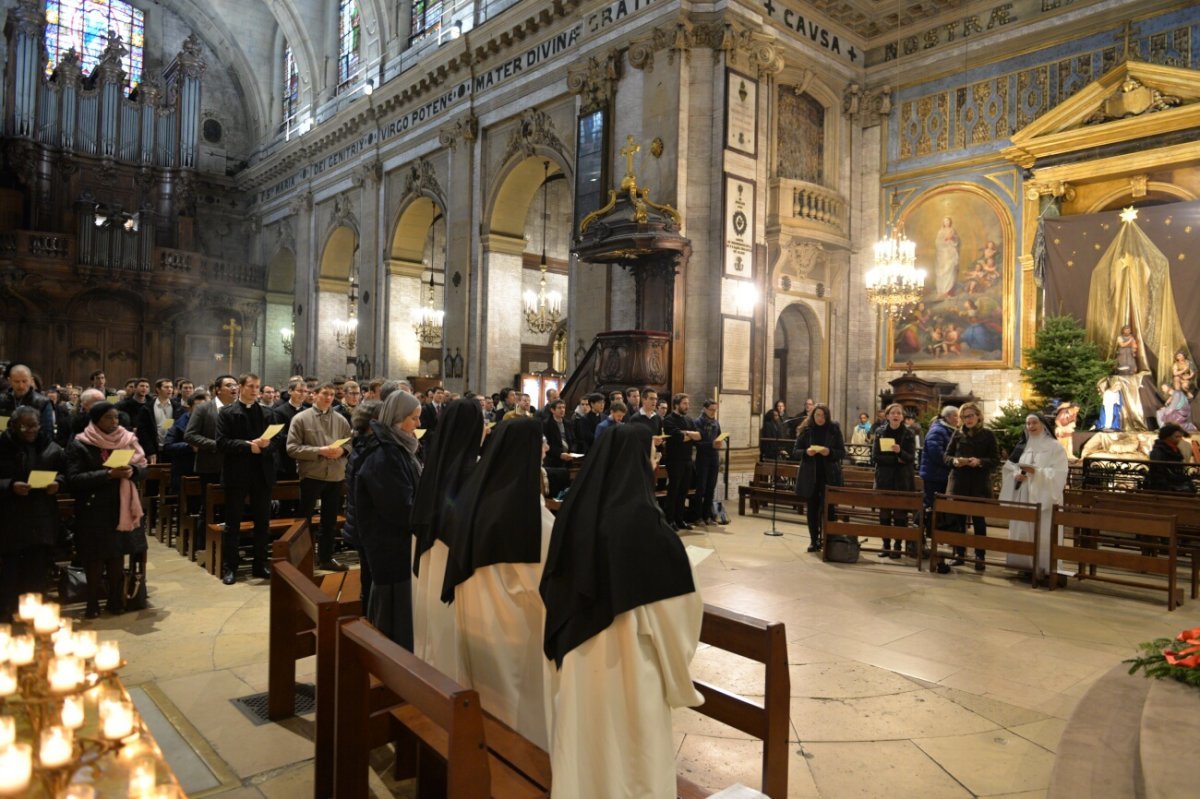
[
  {"x": 1098, "y": 538},
  {"x": 189, "y": 486},
  {"x": 303, "y": 621},
  {"x": 486, "y": 758},
  {"x": 214, "y": 496},
  {"x": 1185, "y": 509},
  {"x": 991, "y": 509},
  {"x": 863, "y": 505},
  {"x": 768, "y": 487},
  {"x": 153, "y": 490}
]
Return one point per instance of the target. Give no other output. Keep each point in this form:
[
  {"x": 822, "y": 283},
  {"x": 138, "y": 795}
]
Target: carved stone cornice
[
  {"x": 867, "y": 107},
  {"x": 742, "y": 46},
  {"x": 465, "y": 129},
  {"x": 302, "y": 202},
  {"x": 343, "y": 213},
  {"x": 595, "y": 80},
  {"x": 1058, "y": 189},
  {"x": 370, "y": 172},
  {"x": 536, "y": 129}
]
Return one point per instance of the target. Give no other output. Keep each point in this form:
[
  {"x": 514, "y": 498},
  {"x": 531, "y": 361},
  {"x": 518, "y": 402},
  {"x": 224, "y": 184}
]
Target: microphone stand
[{"x": 774, "y": 487}]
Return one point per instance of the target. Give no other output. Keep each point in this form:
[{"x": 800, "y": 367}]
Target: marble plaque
[
  {"x": 741, "y": 113},
  {"x": 735, "y": 355},
  {"x": 739, "y": 227}
]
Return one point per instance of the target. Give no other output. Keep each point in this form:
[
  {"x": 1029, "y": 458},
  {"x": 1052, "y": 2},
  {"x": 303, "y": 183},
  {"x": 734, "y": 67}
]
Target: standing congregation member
[
  {"x": 708, "y": 463},
  {"x": 934, "y": 471},
  {"x": 176, "y": 451},
  {"x": 247, "y": 474},
  {"x": 771, "y": 436},
  {"x": 385, "y": 485},
  {"x": 972, "y": 455},
  {"x": 201, "y": 436},
  {"x": 648, "y": 414},
  {"x": 1035, "y": 472},
  {"x": 682, "y": 436},
  {"x": 585, "y": 427},
  {"x": 819, "y": 448},
  {"x": 561, "y": 444},
  {"x": 136, "y": 407},
  {"x": 99, "y": 382},
  {"x": 894, "y": 468},
  {"x": 366, "y": 412},
  {"x": 21, "y": 392},
  {"x": 321, "y": 461},
  {"x": 499, "y": 532},
  {"x": 30, "y": 514},
  {"x": 1166, "y": 461},
  {"x": 298, "y": 400},
  {"x": 622, "y": 624},
  {"x": 163, "y": 409},
  {"x": 108, "y": 513},
  {"x": 449, "y": 461},
  {"x": 616, "y": 416},
  {"x": 432, "y": 411}
]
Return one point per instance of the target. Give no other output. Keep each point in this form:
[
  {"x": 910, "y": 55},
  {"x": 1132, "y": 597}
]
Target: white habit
[
  {"x": 501, "y": 619},
  {"x": 435, "y": 633},
  {"x": 1045, "y": 487},
  {"x": 613, "y": 699}
]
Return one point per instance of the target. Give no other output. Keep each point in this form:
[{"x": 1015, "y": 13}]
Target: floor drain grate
[{"x": 254, "y": 707}]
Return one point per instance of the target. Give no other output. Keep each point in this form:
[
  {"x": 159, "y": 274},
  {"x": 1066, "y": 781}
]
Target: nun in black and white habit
[
  {"x": 622, "y": 624},
  {"x": 451, "y": 458},
  {"x": 499, "y": 531}
]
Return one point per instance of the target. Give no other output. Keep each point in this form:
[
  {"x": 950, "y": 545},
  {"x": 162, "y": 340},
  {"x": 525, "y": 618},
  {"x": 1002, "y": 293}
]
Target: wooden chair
[
  {"x": 1099, "y": 538},
  {"x": 189, "y": 486},
  {"x": 992, "y": 509},
  {"x": 769, "y": 486}
]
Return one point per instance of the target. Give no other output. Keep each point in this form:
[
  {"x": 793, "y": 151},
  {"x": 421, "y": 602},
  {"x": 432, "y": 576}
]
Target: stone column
[
  {"x": 305, "y": 300},
  {"x": 500, "y": 279},
  {"x": 460, "y": 272},
  {"x": 372, "y": 307}
]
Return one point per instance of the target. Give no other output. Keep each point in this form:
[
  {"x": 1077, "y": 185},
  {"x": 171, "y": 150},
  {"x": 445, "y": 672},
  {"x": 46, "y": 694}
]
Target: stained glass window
[
  {"x": 291, "y": 89},
  {"x": 426, "y": 19},
  {"x": 85, "y": 25},
  {"x": 348, "y": 32}
]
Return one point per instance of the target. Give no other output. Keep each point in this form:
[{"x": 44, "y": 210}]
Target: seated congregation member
[
  {"x": 972, "y": 455},
  {"x": 819, "y": 448},
  {"x": 247, "y": 474},
  {"x": 312, "y": 443},
  {"x": 708, "y": 463},
  {"x": 616, "y": 416},
  {"x": 108, "y": 512},
  {"x": 1165, "y": 475},
  {"x": 894, "y": 468},
  {"x": 1036, "y": 472},
  {"x": 30, "y": 515},
  {"x": 682, "y": 436},
  {"x": 622, "y": 624},
  {"x": 385, "y": 485},
  {"x": 499, "y": 531},
  {"x": 449, "y": 461},
  {"x": 360, "y": 422},
  {"x": 771, "y": 441}
]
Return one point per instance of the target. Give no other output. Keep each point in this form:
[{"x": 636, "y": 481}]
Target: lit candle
[
  {"x": 85, "y": 643},
  {"x": 72, "y": 712},
  {"x": 5, "y": 637},
  {"x": 118, "y": 719},
  {"x": 142, "y": 779},
  {"x": 166, "y": 792},
  {"x": 8, "y": 731},
  {"x": 45, "y": 619},
  {"x": 16, "y": 767},
  {"x": 20, "y": 650},
  {"x": 108, "y": 656},
  {"x": 64, "y": 644},
  {"x": 64, "y": 674},
  {"x": 27, "y": 606},
  {"x": 8, "y": 679},
  {"x": 58, "y": 746},
  {"x": 80, "y": 791}
]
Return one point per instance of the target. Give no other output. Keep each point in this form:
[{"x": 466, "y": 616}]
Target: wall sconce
[
  {"x": 287, "y": 335},
  {"x": 745, "y": 298}
]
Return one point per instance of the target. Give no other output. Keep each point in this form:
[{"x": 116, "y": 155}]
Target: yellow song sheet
[
  {"x": 166, "y": 424},
  {"x": 721, "y": 437},
  {"x": 419, "y": 433},
  {"x": 886, "y": 444},
  {"x": 341, "y": 442},
  {"x": 118, "y": 458},
  {"x": 3, "y": 423},
  {"x": 271, "y": 431},
  {"x": 41, "y": 479}
]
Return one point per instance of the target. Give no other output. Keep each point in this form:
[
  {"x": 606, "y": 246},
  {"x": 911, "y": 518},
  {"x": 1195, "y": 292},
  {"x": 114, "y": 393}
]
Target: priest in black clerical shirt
[
  {"x": 682, "y": 436},
  {"x": 247, "y": 473}
]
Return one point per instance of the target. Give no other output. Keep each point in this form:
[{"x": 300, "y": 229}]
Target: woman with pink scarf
[{"x": 108, "y": 513}]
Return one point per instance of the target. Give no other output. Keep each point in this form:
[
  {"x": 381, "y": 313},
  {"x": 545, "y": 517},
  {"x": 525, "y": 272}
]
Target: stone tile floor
[{"x": 903, "y": 683}]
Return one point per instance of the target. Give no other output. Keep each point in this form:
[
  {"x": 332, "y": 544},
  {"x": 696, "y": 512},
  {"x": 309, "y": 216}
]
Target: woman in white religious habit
[
  {"x": 1035, "y": 472},
  {"x": 622, "y": 624},
  {"x": 499, "y": 531},
  {"x": 453, "y": 452}
]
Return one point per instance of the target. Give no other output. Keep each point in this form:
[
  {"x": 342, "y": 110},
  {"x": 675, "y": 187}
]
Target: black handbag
[
  {"x": 135, "y": 588},
  {"x": 72, "y": 585},
  {"x": 842, "y": 549}
]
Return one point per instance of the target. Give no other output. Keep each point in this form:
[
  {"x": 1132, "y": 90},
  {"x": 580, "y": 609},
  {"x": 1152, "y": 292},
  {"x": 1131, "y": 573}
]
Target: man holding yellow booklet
[{"x": 319, "y": 441}]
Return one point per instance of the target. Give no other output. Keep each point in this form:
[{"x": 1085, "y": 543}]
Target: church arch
[
  {"x": 799, "y": 355},
  {"x": 1157, "y": 193},
  {"x": 416, "y": 253},
  {"x": 337, "y": 266}
]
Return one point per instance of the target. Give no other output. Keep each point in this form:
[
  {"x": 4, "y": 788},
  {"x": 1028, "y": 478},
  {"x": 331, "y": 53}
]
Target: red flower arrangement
[{"x": 1177, "y": 658}]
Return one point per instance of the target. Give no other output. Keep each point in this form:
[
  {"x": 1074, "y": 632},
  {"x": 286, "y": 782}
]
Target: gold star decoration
[{"x": 1129, "y": 214}]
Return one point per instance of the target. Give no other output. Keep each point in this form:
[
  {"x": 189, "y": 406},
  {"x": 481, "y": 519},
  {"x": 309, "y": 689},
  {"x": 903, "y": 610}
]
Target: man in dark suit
[
  {"x": 433, "y": 409},
  {"x": 648, "y": 414},
  {"x": 682, "y": 436},
  {"x": 201, "y": 436},
  {"x": 561, "y": 439},
  {"x": 141, "y": 417},
  {"x": 585, "y": 428},
  {"x": 247, "y": 473}
]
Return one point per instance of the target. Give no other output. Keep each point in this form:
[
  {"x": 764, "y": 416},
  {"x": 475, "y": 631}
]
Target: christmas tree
[{"x": 1065, "y": 366}]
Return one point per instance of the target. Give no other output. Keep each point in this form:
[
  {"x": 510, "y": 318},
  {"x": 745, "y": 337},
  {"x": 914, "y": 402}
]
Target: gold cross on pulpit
[
  {"x": 233, "y": 327},
  {"x": 629, "y": 151}
]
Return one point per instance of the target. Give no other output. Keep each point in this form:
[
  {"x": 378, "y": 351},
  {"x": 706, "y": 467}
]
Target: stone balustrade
[{"x": 799, "y": 203}]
